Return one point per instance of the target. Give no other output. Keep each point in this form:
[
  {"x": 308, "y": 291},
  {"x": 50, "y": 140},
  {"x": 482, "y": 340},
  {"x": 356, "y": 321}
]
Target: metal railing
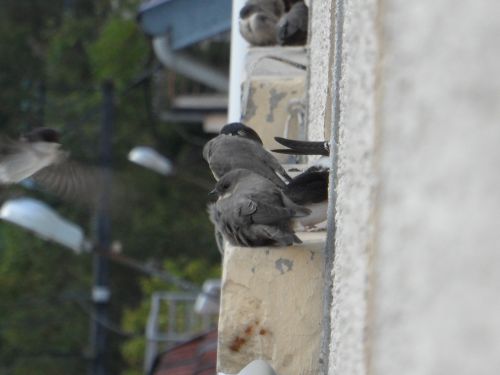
[{"x": 172, "y": 320}]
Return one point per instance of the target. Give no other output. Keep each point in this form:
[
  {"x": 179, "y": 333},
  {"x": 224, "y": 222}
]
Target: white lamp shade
[
  {"x": 150, "y": 158},
  {"x": 43, "y": 221}
]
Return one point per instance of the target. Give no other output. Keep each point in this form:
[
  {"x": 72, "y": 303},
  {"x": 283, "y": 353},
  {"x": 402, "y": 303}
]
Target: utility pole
[{"x": 100, "y": 291}]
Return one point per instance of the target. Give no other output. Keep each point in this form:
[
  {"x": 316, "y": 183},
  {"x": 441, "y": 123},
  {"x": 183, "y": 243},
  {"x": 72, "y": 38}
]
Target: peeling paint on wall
[
  {"x": 274, "y": 100},
  {"x": 283, "y": 263}
]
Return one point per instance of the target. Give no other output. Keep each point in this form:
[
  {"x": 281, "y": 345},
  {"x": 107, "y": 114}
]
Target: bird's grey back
[{"x": 225, "y": 153}]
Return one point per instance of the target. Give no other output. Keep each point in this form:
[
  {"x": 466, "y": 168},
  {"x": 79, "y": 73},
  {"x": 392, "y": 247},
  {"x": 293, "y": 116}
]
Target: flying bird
[
  {"x": 39, "y": 155},
  {"x": 252, "y": 211},
  {"x": 239, "y": 146},
  {"x": 34, "y": 151}
]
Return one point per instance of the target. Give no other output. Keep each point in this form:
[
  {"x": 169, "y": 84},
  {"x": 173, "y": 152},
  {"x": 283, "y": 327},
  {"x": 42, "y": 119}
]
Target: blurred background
[{"x": 54, "y": 59}]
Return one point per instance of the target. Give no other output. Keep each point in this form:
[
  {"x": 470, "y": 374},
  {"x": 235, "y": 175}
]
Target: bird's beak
[{"x": 212, "y": 192}]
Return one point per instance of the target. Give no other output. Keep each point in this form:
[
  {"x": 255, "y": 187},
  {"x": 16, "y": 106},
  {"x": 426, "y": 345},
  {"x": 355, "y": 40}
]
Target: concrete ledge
[{"x": 271, "y": 307}]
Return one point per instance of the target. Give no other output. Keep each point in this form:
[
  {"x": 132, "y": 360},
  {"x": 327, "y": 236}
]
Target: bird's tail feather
[{"x": 301, "y": 147}]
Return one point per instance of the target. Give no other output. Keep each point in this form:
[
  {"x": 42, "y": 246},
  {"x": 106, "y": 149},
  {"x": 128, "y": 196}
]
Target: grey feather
[
  {"x": 228, "y": 152},
  {"x": 252, "y": 211},
  {"x": 258, "y": 20},
  {"x": 292, "y": 27}
]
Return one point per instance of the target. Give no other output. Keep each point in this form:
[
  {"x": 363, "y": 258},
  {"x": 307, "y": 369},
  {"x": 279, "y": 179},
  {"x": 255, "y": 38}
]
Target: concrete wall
[
  {"x": 320, "y": 61},
  {"x": 416, "y": 272}
]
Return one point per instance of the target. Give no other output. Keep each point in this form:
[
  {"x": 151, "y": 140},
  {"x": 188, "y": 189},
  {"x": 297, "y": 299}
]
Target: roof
[
  {"x": 197, "y": 356},
  {"x": 186, "y": 21}
]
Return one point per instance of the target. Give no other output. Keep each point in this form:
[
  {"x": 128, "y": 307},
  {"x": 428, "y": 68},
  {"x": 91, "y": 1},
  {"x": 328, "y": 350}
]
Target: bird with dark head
[
  {"x": 291, "y": 29},
  {"x": 39, "y": 155},
  {"x": 271, "y": 22},
  {"x": 239, "y": 146},
  {"x": 258, "y": 20},
  {"x": 241, "y": 130},
  {"x": 310, "y": 188},
  {"x": 252, "y": 211},
  {"x": 42, "y": 135}
]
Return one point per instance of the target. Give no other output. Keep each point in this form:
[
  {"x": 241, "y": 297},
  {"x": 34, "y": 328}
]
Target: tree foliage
[{"x": 54, "y": 57}]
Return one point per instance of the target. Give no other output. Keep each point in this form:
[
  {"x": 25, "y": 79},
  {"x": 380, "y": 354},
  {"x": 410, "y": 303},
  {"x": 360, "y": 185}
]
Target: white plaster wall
[{"x": 436, "y": 306}]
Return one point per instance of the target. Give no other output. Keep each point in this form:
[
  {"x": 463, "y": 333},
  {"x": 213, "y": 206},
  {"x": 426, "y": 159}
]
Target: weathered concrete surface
[
  {"x": 274, "y": 95},
  {"x": 436, "y": 307},
  {"x": 260, "y": 61},
  {"x": 355, "y": 191},
  {"x": 267, "y": 109},
  {"x": 320, "y": 62},
  {"x": 416, "y": 269},
  {"x": 271, "y": 307}
]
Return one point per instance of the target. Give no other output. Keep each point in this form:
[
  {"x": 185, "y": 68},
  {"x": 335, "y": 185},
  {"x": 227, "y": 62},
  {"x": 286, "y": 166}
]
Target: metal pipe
[
  {"x": 239, "y": 49},
  {"x": 189, "y": 67}
]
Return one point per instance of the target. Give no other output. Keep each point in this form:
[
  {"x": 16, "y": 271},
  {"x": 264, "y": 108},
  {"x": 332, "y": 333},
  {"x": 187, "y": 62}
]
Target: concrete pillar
[
  {"x": 271, "y": 307},
  {"x": 274, "y": 94}
]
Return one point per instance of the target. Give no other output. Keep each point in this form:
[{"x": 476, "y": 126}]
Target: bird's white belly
[{"x": 318, "y": 214}]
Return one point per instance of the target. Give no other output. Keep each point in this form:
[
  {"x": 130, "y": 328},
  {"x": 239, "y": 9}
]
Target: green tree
[
  {"x": 53, "y": 59},
  {"x": 134, "y": 319}
]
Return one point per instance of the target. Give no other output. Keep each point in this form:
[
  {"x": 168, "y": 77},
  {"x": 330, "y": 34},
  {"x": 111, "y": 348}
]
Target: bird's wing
[
  {"x": 311, "y": 186},
  {"x": 274, "y": 164},
  {"x": 298, "y": 211},
  {"x": 225, "y": 153},
  {"x": 263, "y": 213},
  {"x": 72, "y": 181},
  {"x": 17, "y": 162},
  {"x": 302, "y": 147}
]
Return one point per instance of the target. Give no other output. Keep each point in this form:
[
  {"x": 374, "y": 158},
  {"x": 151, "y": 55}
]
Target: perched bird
[
  {"x": 252, "y": 211},
  {"x": 239, "y": 146},
  {"x": 258, "y": 21},
  {"x": 291, "y": 29},
  {"x": 38, "y": 155},
  {"x": 310, "y": 188}
]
